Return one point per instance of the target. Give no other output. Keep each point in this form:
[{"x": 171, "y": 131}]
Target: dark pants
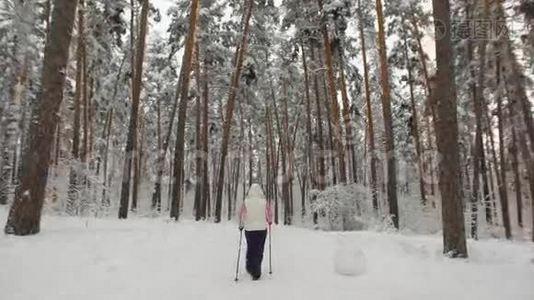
[{"x": 255, "y": 245}]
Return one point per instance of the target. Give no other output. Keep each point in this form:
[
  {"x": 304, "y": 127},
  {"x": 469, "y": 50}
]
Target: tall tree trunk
[
  {"x": 475, "y": 188},
  {"x": 85, "y": 103},
  {"x": 388, "y": 121},
  {"x": 353, "y": 165},
  {"x": 520, "y": 105},
  {"x": 517, "y": 179},
  {"x": 479, "y": 106},
  {"x": 283, "y": 133},
  {"x": 205, "y": 142},
  {"x": 330, "y": 138},
  {"x": 489, "y": 191},
  {"x": 321, "y": 180},
  {"x": 415, "y": 124},
  {"x": 273, "y": 170},
  {"x": 198, "y": 139},
  {"x": 92, "y": 107},
  {"x": 137, "y": 165},
  {"x": 280, "y": 156},
  {"x": 430, "y": 110},
  {"x": 105, "y": 185},
  {"x": 133, "y": 36},
  {"x": 74, "y": 176},
  {"x": 528, "y": 160},
  {"x": 234, "y": 87},
  {"x": 447, "y": 136},
  {"x": 309, "y": 137},
  {"x": 526, "y": 154},
  {"x": 502, "y": 182},
  {"x": 370, "y": 123},
  {"x": 333, "y": 103},
  {"x": 25, "y": 213},
  {"x": 131, "y": 142},
  {"x": 160, "y": 162},
  {"x": 179, "y": 152},
  {"x": 106, "y": 182},
  {"x": 83, "y": 184},
  {"x": 57, "y": 147},
  {"x": 478, "y": 153},
  {"x": 503, "y": 191}
]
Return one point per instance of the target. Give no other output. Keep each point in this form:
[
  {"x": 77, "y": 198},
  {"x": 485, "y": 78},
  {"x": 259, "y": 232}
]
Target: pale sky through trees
[{"x": 164, "y": 5}]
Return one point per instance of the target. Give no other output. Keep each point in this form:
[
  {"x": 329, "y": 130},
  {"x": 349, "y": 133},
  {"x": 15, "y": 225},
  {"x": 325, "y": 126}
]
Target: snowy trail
[{"x": 155, "y": 259}]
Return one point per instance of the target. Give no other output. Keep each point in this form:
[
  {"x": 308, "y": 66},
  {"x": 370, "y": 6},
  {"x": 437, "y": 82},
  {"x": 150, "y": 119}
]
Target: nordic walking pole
[
  {"x": 270, "y": 256},
  {"x": 239, "y": 254}
]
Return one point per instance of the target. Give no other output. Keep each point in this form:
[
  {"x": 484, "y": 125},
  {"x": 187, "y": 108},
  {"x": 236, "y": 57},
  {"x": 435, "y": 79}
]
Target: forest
[
  {"x": 386, "y": 115},
  {"x": 390, "y": 135}
]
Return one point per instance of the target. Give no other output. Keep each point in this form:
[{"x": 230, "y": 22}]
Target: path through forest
[{"x": 147, "y": 258}]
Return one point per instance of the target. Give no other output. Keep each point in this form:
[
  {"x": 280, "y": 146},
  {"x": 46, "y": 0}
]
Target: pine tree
[
  {"x": 369, "y": 111},
  {"x": 187, "y": 61},
  {"x": 388, "y": 121},
  {"x": 228, "y": 116},
  {"x": 25, "y": 213},
  {"x": 131, "y": 143},
  {"x": 447, "y": 136}
]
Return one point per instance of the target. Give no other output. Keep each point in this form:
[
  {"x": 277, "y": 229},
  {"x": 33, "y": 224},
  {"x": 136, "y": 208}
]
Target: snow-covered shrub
[
  {"x": 340, "y": 206},
  {"x": 349, "y": 207}
]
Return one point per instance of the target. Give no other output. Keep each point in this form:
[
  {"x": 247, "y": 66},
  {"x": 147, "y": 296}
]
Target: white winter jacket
[{"x": 255, "y": 213}]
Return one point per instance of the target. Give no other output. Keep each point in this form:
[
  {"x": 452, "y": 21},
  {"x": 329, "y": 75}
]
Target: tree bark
[
  {"x": 517, "y": 179},
  {"x": 131, "y": 142},
  {"x": 179, "y": 152},
  {"x": 205, "y": 143},
  {"x": 502, "y": 181},
  {"x": 447, "y": 135},
  {"x": 234, "y": 87},
  {"x": 105, "y": 184},
  {"x": 521, "y": 116},
  {"x": 330, "y": 137},
  {"x": 353, "y": 165},
  {"x": 283, "y": 134},
  {"x": 309, "y": 137},
  {"x": 429, "y": 110},
  {"x": 333, "y": 103},
  {"x": 370, "y": 123},
  {"x": 479, "y": 112},
  {"x": 25, "y": 213},
  {"x": 388, "y": 121},
  {"x": 85, "y": 103},
  {"x": 138, "y": 158},
  {"x": 198, "y": 139},
  {"x": 72, "y": 196},
  {"x": 415, "y": 124},
  {"x": 321, "y": 180},
  {"x": 478, "y": 153}
]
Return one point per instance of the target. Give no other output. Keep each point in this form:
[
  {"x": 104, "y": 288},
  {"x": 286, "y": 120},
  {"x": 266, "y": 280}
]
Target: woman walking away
[{"x": 254, "y": 216}]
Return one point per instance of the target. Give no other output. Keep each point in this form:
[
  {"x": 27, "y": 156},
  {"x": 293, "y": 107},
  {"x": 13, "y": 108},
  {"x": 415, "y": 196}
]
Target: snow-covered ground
[{"x": 143, "y": 258}]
